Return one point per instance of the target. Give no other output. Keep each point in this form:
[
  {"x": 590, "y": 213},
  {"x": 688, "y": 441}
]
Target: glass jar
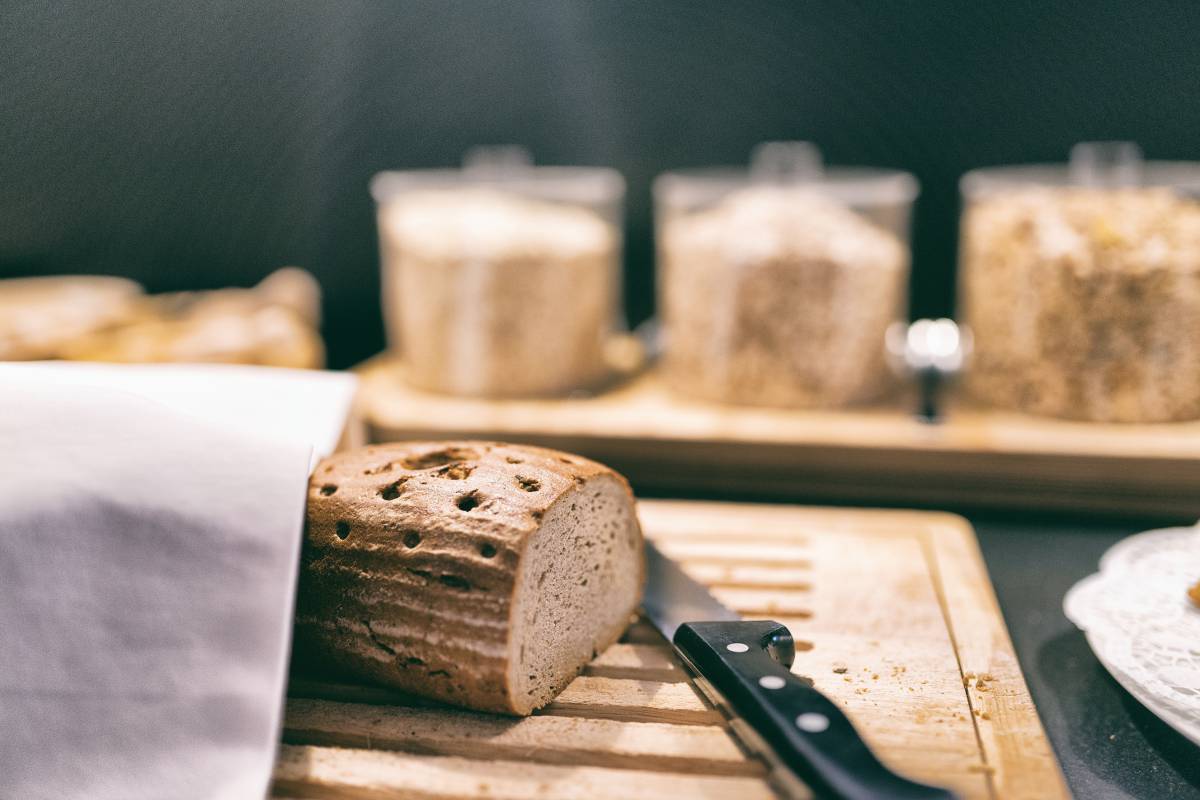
[
  {"x": 501, "y": 279},
  {"x": 1081, "y": 285},
  {"x": 777, "y": 285}
]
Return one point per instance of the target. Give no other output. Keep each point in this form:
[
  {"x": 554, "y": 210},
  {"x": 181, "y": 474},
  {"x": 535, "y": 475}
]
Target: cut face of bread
[
  {"x": 481, "y": 574},
  {"x": 575, "y": 565}
]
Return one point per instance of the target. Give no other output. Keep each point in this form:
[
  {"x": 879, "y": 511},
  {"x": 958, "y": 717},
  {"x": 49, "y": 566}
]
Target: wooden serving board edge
[
  {"x": 1017, "y": 752},
  {"x": 874, "y": 474},
  {"x": 975, "y": 458}
]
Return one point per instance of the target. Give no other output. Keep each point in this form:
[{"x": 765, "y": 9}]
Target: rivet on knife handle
[{"x": 747, "y": 663}]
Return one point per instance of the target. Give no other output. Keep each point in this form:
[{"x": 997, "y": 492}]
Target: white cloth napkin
[{"x": 148, "y": 551}]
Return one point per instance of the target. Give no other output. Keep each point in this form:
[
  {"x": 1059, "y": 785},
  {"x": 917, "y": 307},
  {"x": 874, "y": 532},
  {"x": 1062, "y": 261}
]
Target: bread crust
[{"x": 411, "y": 558}]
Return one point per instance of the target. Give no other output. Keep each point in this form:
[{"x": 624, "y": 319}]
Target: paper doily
[{"x": 1141, "y": 625}]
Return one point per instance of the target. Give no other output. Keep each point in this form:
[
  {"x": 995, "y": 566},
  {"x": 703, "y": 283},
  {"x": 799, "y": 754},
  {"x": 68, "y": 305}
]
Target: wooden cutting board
[
  {"x": 974, "y": 457},
  {"x": 895, "y": 619}
]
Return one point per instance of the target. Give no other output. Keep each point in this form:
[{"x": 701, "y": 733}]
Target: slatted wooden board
[
  {"x": 974, "y": 457},
  {"x": 895, "y": 618}
]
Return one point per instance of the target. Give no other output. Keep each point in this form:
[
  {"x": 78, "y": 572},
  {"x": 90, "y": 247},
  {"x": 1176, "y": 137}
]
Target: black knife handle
[{"x": 747, "y": 663}]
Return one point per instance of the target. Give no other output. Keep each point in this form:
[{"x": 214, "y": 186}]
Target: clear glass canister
[
  {"x": 1081, "y": 285},
  {"x": 501, "y": 279},
  {"x": 777, "y": 285}
]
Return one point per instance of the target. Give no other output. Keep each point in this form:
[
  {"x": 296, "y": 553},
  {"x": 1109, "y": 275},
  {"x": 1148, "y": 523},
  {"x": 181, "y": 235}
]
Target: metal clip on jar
[
  {"x": 777, "y": 285},
  {"x": 1081, "y": 285},
  {"x": 501, "y": 279}
]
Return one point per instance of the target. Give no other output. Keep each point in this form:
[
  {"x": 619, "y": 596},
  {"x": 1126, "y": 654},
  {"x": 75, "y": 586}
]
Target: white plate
[{"x": 1139, "y": 622}]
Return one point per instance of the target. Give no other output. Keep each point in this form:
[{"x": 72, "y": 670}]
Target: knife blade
[{"x": 747, "y": 663}]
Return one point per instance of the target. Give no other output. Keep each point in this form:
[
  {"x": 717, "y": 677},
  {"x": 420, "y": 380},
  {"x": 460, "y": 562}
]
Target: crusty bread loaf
[
  {"x": 39, "y": 317},
  {"x": 272, "y": 324},
  {"x": 482, "y": 574}
]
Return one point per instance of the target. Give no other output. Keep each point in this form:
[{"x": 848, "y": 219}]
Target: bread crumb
[{"x": 839, "y": 668}]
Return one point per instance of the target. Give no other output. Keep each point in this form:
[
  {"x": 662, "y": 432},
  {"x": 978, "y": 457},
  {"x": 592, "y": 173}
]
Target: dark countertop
[{"x": 1109, "y": 745}]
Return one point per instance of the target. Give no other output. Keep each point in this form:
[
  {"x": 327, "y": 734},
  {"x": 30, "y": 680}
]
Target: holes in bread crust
[
  {"x": 328, "y": 489},
  {"x": 412, "y": 539},
  {"x": 469, "y": 501},
  {"x": 455, "y": 582},
  {"x": 393, "y": 489},
  {"x": 455, "y": 472},
  {"x": 375, "y": 640},
  {"x": 438, "y": 458},
  {"x": 487, "y": 550},
  {"x": 514, "y": 460},
  {"x": 421, "y": 573},
  {"x": 342, "y": 529},
  {"x": 528, "y": 484}
]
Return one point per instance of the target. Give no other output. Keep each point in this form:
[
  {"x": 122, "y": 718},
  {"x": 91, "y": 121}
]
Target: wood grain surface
[
  {"x": 895, "y": 620},
  {"x": 974, "y": 457}
]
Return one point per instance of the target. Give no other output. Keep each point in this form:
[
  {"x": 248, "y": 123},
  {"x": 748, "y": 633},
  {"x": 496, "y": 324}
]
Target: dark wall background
[{"x": 200, "y": 145}]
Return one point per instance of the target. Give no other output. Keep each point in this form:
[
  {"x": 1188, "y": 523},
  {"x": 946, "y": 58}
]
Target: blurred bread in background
[
  {"x": 41, "y": 316},
  {"x": 107, "y": 319}
]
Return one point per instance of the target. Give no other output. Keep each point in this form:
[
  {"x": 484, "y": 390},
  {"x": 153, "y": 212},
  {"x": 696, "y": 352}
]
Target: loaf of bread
[
  {"x": 40, "y": 317},
  {"x": 270, "y": 336},
  {"x": 100, "y": 318},
  {"x": 272, "y": 324},
  {"x": 485, "y": 575}
]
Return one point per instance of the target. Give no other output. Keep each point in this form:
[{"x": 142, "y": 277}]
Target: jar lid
[
  {"x": 788, "y": 164},
  {"x": 1095, "y": 165},
  {"x": 508, "y": 168}
]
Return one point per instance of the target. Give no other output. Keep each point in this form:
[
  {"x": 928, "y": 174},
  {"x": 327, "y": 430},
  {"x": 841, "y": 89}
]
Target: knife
[{"x": 747, "y": 663}]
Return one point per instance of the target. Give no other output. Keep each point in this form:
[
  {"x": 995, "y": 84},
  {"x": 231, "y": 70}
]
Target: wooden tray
[
  {"x": 974, "y": 458},
  {"x": 895, "y": 618}
]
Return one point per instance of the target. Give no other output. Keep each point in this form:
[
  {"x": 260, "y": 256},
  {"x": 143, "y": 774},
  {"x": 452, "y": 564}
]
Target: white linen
[{"x": 150, "y": 526}]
